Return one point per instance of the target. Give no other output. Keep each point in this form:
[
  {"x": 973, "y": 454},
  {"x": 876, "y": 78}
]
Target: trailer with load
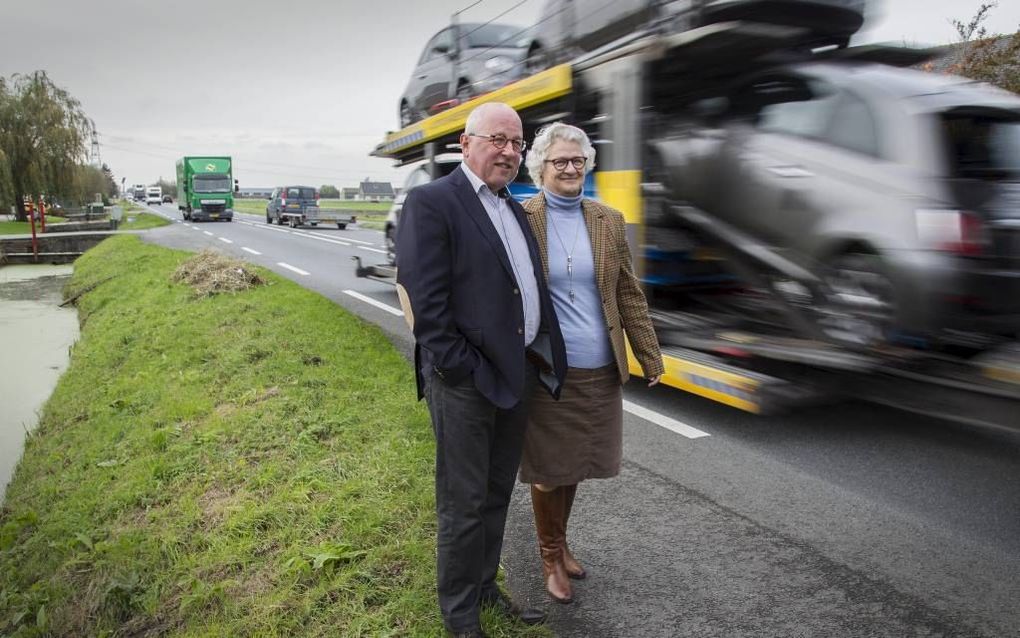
[
  {"x": 731, "y": 148},
  {"x": 299, "y": 206}
]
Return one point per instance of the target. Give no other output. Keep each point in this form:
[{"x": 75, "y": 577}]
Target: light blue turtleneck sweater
[{"x": 582, "y": 322}]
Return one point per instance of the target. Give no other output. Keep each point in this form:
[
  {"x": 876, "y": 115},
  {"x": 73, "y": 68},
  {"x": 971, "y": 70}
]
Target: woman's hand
[{"x": 654, "y": 380}]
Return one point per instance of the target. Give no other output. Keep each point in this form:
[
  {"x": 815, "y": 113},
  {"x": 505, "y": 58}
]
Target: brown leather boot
[
  {"x": 574, "y": 569},
  {"x": 549, "y": 524}
]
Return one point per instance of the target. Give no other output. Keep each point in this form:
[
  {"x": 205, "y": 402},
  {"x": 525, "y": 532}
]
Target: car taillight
[
  {"x": 953, "y": 231},
  {"x": 283, "y": 201}
]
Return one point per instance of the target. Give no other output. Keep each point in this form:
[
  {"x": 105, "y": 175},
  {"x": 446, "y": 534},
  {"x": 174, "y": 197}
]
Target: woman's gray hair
[{"x": 539, "y": 149}]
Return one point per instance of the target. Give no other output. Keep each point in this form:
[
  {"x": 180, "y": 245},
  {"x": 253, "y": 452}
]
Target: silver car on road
[{"x": 899, "y": 189}]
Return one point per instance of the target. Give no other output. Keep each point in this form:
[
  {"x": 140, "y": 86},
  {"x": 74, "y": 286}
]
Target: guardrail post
[
  {"x": 35, "y": 241},
  {"x": 42, "y": 215}
]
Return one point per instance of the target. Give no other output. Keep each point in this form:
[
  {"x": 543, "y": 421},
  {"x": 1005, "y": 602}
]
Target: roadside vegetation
[
  {"x": 137, "y": 218},
  {"x": 25, "y": 228},
  {"x": 221, "y": 464}
]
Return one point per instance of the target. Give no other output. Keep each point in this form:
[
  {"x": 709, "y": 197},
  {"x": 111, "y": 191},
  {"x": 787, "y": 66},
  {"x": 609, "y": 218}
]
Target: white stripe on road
[
  {"x": 207, "y": 233},
  {"x": 375, "y": 250},
  {"x": 195, "y": 228},
  {"x": 664, "y": 421},
  {"x": 353, "y": 241},
  {"x": 289, "y": 267},
  {"x": 249, "y": 250},
  {"x": 332, "y": 241},
  {"x": 373, "y": 302},
  {"x": 225, "y": 240}
]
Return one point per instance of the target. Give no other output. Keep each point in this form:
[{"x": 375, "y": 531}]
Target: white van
[{"x": 153, "y": 195}]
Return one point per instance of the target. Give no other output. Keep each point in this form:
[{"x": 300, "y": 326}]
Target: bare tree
[{"x": 989, "y": 58}]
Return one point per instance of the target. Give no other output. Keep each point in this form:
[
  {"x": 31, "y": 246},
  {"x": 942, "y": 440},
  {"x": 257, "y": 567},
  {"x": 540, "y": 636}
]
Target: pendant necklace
[{"x": 570, "y": 255}]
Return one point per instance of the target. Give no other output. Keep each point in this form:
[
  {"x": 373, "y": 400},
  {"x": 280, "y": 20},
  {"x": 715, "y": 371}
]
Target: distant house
[
  {"x": 255, "y": 193},
  {"x": 375, "y": 191},
  {"x": 349, "y": 193}
]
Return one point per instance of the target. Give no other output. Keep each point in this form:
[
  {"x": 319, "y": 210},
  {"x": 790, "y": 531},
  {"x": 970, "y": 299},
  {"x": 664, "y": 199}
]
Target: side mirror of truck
[{"x": 237, "y": 189}]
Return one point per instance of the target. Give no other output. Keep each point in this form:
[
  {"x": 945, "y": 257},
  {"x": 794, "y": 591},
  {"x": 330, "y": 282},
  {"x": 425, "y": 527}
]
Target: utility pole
[{"x": 96, "y": 161}]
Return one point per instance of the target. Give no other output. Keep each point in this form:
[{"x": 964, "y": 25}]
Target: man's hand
[{"x": 654, "y": 380}]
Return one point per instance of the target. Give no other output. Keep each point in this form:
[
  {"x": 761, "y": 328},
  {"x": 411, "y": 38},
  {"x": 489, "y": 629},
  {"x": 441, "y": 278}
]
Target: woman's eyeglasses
[{"x": 560, "y": 163}]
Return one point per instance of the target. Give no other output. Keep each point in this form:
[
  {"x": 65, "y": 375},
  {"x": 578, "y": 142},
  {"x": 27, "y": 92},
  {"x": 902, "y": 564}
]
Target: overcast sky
[{"x": 297, "y": 90}]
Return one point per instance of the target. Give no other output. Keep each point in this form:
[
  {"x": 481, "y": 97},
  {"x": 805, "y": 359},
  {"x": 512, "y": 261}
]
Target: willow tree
[{"x": 43, "y": 138}]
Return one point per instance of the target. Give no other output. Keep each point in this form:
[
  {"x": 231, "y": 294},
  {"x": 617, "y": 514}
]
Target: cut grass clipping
[
  {"x": 242, "y": 464},
  {"x": 210, "y": 272}
]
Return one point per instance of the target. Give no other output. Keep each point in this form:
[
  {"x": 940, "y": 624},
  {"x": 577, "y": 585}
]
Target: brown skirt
[{"x": 578, "y": 437}]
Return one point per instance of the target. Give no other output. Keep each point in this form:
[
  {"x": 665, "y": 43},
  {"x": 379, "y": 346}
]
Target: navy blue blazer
[{"x": 467, "y": 313}]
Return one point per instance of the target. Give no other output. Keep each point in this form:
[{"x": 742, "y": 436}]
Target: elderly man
[{"x": 485, "y": 333}]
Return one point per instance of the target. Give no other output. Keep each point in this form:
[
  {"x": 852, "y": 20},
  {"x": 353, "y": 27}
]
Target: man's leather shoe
[
  {"x": 509, "y": 609},
  {"x": 472, "y": 633}
]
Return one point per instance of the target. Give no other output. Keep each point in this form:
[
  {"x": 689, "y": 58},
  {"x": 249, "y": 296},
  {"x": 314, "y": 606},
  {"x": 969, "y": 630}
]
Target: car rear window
[
  {"x": 494, "y": 35},
  {"x": 982, "y": 146},
  {"x": 300, "y": 193}
]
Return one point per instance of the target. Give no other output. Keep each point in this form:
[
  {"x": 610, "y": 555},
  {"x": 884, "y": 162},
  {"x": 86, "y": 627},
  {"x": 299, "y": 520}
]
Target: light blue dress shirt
[{"x": 516, "y": 246}]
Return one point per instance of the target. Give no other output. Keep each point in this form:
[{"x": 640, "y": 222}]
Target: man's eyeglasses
[
  {"x": 499, "y": 141},
  {"x": 560, "y": 163}
]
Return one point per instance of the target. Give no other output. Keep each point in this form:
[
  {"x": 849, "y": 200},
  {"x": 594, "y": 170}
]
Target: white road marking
[
  {"x": 378, "y": 304},
  {"x": 332, "y": 241},
  {"x": 664, "y": 421},
  {"x": 289, "y": 267},
  {"x": 375, "y": 250},
  {"x": 249, "y": 250},
  {"x": 225, "y": 240},
  {"x": 207, "y": 233},
  {"x": 353, "y": 241},
  {"x": 195, "y": 228}
]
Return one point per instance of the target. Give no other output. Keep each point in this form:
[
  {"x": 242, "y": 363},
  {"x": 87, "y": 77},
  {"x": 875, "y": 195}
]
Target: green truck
[{"x": 205, "y": 188}]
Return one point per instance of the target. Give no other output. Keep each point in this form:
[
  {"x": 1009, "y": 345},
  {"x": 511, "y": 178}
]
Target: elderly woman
[{"x": 597, "y": 299}]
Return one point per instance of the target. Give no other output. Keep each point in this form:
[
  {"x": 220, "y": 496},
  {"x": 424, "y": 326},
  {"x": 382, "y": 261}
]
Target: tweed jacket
[{"x": 624, "y": 306}]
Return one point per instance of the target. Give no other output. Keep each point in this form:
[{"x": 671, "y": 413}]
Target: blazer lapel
[
  {"x": 594, "y": 220},
  {"x": 477, "y": 213}
]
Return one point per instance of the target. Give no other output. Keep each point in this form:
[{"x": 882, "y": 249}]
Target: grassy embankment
[
  {"x": 25, "y": 228},
  {"x": 142, "y": 220},
  {"x": 136, "y": 218},
  {"x": 214, "y": 466},
  {"x": 370, "y": 214}
]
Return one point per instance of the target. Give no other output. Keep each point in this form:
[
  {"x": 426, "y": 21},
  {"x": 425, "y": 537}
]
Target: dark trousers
[{"x": 478, "y": 451}]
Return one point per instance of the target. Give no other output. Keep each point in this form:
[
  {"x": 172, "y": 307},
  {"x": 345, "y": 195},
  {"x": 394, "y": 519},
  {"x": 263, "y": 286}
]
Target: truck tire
[
  {"x": 269, "y": 218},
  {"x": 341, "y": 225},
  {"x": 279, "y": 220},
  {"x": 314, "y": 223}
]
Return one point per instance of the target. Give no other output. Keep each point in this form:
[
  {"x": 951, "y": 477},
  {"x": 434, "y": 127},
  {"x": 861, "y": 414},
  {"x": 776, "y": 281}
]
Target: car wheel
[
  {"x": 341, "y": 225},
  {"x": 537, "y": 60},
  {"x": 407, "y": 117},
  {"x": 391, "y": 244},
  {"x": 464, "y": 93},
  {"x": 858, "y": 304},
  {"x": 269, "y": 218}
]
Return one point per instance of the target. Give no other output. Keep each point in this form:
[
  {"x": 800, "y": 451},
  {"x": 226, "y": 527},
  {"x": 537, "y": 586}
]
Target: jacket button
[
  {"x": 520, "y": 331},
  {"x": 516, "y": 291}
]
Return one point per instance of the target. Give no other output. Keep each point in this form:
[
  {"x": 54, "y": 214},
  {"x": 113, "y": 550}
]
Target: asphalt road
[{"x": 846, "y": 520}]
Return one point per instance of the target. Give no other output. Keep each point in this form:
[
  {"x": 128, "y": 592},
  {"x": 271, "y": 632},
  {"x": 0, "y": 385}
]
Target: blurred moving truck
[
  {"x": 154, "y": 195},
  {"x": 205, "y": 188}
]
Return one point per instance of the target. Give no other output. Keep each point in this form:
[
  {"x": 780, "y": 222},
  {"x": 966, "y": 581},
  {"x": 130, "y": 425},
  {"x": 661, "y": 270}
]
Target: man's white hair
[{"x": 539, "y": 150}]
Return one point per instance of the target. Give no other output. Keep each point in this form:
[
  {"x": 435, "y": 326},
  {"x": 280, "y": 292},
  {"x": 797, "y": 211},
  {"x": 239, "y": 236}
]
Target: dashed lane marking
[
  {"x": 207, "y": 233},
  {"x": 375, "y": 250},
  {"x": 378, "y": 304},
  {"x": 225, "y": 240},
  {"x": 249, "y": 250},
  {"x": 664, "y": 421},
  {"x": 289, "y": 267}
]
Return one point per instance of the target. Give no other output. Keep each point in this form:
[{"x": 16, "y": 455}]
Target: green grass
[
  {"x": 25, "y": 228},
  {"x": 214, "y": 467},
  {"x": 141, "y": 221}
]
